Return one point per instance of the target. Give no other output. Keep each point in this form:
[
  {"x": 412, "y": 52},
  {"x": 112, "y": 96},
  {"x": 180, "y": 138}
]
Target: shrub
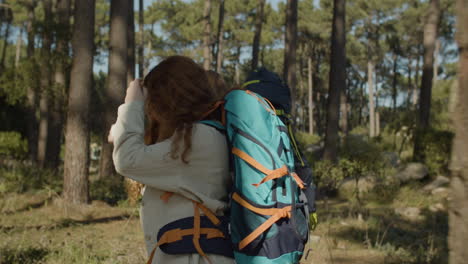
[
  {"x": 436, "y": 150},
  {"x": 12, "y": 145},
  {"x": 110, "y": 190},
  {"x": 24, "y": 178},
  {"x": 307, "y": 139}
]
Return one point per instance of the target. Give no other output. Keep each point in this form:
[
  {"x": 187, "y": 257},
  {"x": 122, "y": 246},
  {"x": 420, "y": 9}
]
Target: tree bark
[
  {"x": 258, "y": 33},
  {"x": 207, "y": 35},
  {"x": 458, "y": 209},
  {"x": 436, "y": 61},
  {"x": 220, "y": 37},
  {"x": 311, "y": 94},
  {"x": 19, "y": 43},
  {"x": 394, "y": 82},
  {"x": 5, "y": 44},
  {"x": 370, "y": 86},
  {"x": 344, "y": 111},
  {"x": 75, "y": 184},
  {"x": 131, "y": 43},
  {"x": 32, "y": 98},
  {"x": 58, "y": 98},
  {"x": 289, "y": 70},
  {"x": 415, "y": 98},
  {"x": 430, "y": 37},
  {"x": 337, "y": 79},
  {"x": 46, "y": 81},
  {"x": 141, "y": 45},
  {"x": 115, "y": 91}
]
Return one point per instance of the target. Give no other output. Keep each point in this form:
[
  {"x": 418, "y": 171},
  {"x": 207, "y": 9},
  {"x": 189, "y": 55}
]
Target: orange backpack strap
[
  {"x": 270, "y": 174},
  {"x": 276, "y": 214},
  {"x": 174, "y": 235}
]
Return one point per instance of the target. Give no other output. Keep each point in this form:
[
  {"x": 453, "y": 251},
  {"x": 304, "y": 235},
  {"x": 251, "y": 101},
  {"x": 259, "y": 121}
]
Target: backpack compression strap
[
  {"x": 174, "y": 235},
  {"x": 275, "y": 215}
]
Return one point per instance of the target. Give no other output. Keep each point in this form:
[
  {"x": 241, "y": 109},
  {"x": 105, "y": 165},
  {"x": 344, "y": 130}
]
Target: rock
[
  {"x": 412, "y": 172},
  {"x": 438, "y": 182},
  {"x": 440, "y": 192},
  {"x": 438, "y": 207},
  {"x": 314, "y": 239},
  {"x": 410, "y": 213},
  {"x": 341, "y": 245},
  {"x": 348, "y": 186},
  {"x": 391, "y": 158}
]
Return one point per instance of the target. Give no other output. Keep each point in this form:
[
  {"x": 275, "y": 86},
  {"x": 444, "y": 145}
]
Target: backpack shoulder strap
[{"x": 214, "y": 124}]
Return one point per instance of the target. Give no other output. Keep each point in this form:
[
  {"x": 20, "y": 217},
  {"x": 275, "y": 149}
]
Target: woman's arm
[{"x": 149, "y": 165}]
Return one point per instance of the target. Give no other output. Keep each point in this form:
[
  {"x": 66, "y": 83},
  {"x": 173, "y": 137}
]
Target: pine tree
[{"x": 75, "y": 184}]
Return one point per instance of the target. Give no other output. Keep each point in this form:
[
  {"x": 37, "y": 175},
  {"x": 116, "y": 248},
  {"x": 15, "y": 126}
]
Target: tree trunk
[
  {"x": 430, "y": 37},
  {"x": 237, "y": 73},
  {"x": 5, "y": 44},
  {"x": 75, "y": 184},
  {"x": 370, "y": 86},
  {"x": 344, "y": 111},
  {"x": 131, "y": 43},
  {"x": 289, "y": 70},
  {"x": 32, "y": 98},
  {"x": 141, "y": 45},
  {"x": 207, "y": 35},
  {"x": 58, "y": 98},
  {"x": 436, "y": 61},
  {"x": 311, "y": 94},
  {"x": 115, "y": 91},
  {"x": 337, "y": 79},
  {"x": 220, "y": 38},
  {"x": 19, "y": 43},
  {"x": 458, "y": 209},
  {"x": 415, "y": 98},
  {"x": 257, "y": 33},
  {"x": 394, "y": 83},
  {"x": 46, "y": 81}
]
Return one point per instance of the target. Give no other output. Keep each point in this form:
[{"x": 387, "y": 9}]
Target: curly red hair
[{"x": 179, "y": 94}]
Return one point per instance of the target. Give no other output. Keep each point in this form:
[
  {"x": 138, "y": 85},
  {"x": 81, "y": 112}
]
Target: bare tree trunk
[
  {"x": 344, "y": 112},
  {"x": 32, "y": 98},
  {"x": 75, "y": 183},
  {"x": 207, "y": 35},
  {"x": 458, "y": 210},
  {"x": 289, "y": 70},
  {"x": 220, "y": 38},
  {"x": 5, "y": 44},
  {"x": 370, "y": 86},
  {"x": 394, "y": 83},
  {"x": 115, "y": 91},
  {"x": 141, "y": 45},
  {"x": 430, "y": 37},
  {"x": 415, "y": 97},
  {"x": 337, "y": 79},
  {"x": 58, "y": 98},
  {"x": 237, "y": 73},
  {"x": 19, "y": 43},
  {"x": 258, "y": 33},
  {"x": 436, "y": 61},
  {"x": 46, "y": 81},
  {"x": 311, "y": 94},
  {"x": 131, "y": 43}
]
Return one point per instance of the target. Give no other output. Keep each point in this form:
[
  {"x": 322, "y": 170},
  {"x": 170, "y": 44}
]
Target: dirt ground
[{"x": 40, "y": 228}]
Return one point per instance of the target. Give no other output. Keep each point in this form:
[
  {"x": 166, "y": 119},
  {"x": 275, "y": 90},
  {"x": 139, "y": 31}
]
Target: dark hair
[{"x": 179, "y": 94}]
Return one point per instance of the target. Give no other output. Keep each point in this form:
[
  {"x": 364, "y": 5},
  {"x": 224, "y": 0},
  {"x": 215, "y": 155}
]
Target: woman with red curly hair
[{"x": 183, "y": 163}]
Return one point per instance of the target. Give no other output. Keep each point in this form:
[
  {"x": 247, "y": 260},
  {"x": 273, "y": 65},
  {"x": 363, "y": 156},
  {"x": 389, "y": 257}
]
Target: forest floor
[{"x": 37, "y": 227}]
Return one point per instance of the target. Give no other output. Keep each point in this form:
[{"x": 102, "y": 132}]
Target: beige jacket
[{"x": 204, "y": 179}]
